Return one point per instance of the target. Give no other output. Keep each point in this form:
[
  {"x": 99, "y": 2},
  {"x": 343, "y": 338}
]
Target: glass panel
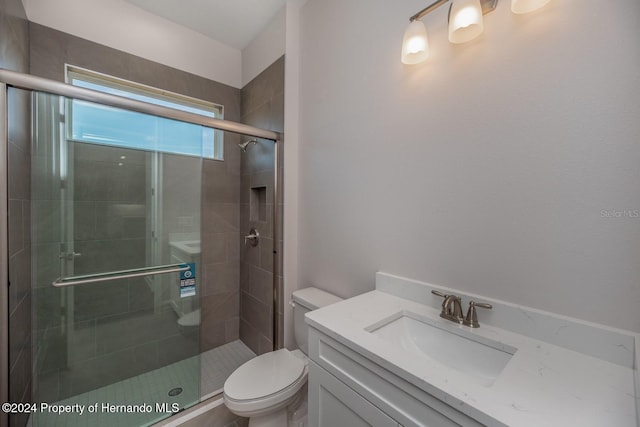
[
  {"x": 103, "y": 125},
  {"x": 101, "y": 208},
  {"x": 99, "y": 124}
]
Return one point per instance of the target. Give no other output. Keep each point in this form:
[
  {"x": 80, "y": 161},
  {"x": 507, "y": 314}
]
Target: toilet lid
[{"x": 264, "y": 375}]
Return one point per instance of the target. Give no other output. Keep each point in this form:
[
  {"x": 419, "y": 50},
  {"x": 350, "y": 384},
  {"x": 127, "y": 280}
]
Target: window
[{"x": 100, "y": 124}]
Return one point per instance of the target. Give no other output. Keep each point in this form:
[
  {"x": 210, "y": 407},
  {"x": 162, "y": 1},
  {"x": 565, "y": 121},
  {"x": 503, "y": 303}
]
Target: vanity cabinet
[
  {"x": 348, "y": 389},
  {"x": 341, "y": 406}
]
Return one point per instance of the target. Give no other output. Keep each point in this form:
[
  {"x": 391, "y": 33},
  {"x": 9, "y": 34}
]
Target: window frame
[{"x": 78, "y": 73}]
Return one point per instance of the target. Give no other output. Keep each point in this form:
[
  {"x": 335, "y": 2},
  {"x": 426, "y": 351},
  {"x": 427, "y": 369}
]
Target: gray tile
[
  {"x": 245, "y": 268},
  {"x": 134, "y": 329},
  {"x": 52, "y": 350},
  {"x": 19, "y": 119},
  {"x": 16, "y": 227},
  {"x": 222, "y": 277},
  {"x": 266, "y": 254},
  {"x": 233, "y": 246},
  {"x": 256, "y": 313},
  {"x": 100, "y": 300},
  {"x": 219, "y": 307},
  {"x": 176, "y": 348},
  {"x": 232, "y": 329},
  {"x": 261, "y": 285},
  {"x": 101, "y": 371},
  {"x": 265, "y": 345},
  {"x": 260, "y": 157},
  {"x": 219, "y": 185},
  {"x": 134, "y": 227},
  {"x": 249, "y": 335},
  {"x": 277, "y": 113},
  {"x": 263, "y": 87},
  {"x": 82, "y": 342},
  {"x": 221, "y": 217},
  {"x": 50, "y": 49},
  {"x": 212, "y": 335},
  {"x": 48, "y": 387},
  {"x": 84, "y": 221},
  {"x": 20, "y": 330},
  {"x": 48, "y": 307},
  {"x": 141, "y": 297},
  {"x": 46, "y": 221},
  {"x": 214, "y": 248},
  {"x": 19, "y": 172},
  {"x": 46, "y": 260}
]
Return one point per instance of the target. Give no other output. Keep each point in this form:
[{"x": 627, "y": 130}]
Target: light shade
[
  {"x": 415, "y": 44},
  {"x": 465, "y": 21},
  {"x": 526, "y": 6}
]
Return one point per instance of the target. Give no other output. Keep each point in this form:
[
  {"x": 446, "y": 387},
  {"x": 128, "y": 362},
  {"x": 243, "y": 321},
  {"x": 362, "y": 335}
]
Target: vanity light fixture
[
  {"x": 465, "y": 24},
  {"x": 465, "y": 20},
  {"x": 526, "y": 6}
]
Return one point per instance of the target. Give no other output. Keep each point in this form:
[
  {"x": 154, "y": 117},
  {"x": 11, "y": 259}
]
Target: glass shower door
[{"x": 104, "y": 216}]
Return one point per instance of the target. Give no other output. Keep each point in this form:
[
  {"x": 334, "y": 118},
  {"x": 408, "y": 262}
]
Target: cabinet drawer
[{"x": 404, "y": 402}]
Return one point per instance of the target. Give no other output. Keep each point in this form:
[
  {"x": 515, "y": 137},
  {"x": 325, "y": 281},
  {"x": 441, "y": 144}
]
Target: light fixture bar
[
  {"x": 433, "y": 6},
  {"x": 488, "y": 6}
]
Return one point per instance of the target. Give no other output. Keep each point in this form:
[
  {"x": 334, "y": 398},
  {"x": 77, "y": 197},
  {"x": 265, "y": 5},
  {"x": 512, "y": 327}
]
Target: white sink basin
[{"x": 480, "y": 358}]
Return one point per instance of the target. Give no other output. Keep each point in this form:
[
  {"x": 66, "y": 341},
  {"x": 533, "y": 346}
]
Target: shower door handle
[
  {"x": 252, "y": 238},
  {"x": 70, "y": 256},
  {"x": 119, "y": 275}
]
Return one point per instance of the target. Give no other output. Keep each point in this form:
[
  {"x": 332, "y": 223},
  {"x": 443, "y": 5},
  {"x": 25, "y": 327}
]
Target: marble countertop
[
  {"x": 190, "y": 247},
  {"x": 542, "y": 385}
]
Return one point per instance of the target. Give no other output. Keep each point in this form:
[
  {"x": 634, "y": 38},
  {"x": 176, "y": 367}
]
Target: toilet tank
[{"x": 305, "y": 300}]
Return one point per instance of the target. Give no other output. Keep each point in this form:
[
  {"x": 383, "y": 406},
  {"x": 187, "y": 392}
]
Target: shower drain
[{"x": 175, "y": 391}]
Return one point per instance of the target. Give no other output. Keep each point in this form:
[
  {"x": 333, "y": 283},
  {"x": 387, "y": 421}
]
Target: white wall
[
  {"x": 120, "y": 25},
  {"x": 265, "y": 48},
  {"x": 491, "y": 168},
  {"x": 291, "y": 162}
]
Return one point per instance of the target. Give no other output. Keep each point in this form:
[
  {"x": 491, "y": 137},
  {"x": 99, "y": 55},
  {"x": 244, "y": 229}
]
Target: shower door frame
[{"x": 32, "y": 83}]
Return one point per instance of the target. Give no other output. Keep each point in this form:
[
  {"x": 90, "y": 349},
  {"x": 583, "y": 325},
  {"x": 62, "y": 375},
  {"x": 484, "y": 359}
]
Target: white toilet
[{"x": 267, "y": 387}]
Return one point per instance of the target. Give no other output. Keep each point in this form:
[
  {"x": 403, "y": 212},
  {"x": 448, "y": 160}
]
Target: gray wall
[
  {"x": 501, "y": 167},
  {"x": 262, "y": 106},
  {"x": 14, "y": 55},
  {"x": 219, "y": 285}
]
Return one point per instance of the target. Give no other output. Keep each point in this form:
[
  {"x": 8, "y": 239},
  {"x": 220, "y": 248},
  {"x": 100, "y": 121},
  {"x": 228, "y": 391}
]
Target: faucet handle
[
  {"x": 472, "y": 318},
  {"x": 445, "y": 303},
  {"x": 440, "y": 294}
]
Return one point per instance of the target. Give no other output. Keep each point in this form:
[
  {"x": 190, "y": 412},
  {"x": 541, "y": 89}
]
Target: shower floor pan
[{"x": 215, "y": 366}]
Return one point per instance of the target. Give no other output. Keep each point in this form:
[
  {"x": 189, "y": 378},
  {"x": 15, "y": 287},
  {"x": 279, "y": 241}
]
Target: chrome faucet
[
  {"x": 452, "y": 310},
  {"x": 451, "y": 307}
]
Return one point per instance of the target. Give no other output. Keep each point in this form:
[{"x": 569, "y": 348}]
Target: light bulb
[
  {"x": 465, "y": 21},
  {"x": 526, "y": 6},
  {"x": 415, "y": 44}
]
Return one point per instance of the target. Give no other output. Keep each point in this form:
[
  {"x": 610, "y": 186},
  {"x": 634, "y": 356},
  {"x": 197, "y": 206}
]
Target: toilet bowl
[
  {"x": 267, "y": 388},
  {"x": 189, "y": 324}
]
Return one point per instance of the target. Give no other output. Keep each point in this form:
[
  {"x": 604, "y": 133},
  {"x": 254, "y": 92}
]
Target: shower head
[{"x": 243, "y": 146}]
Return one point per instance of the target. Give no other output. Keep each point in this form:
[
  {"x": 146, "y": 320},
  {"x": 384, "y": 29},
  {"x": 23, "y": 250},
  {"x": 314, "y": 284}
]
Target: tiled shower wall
[
  {"x": 14, "y": 55},
  {"x": 220, "y": 187},
  {"x": 262, "y": 106}
]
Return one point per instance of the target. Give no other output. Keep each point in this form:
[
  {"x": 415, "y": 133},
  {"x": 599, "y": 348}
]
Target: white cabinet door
[{"x": 332, "y": 404}]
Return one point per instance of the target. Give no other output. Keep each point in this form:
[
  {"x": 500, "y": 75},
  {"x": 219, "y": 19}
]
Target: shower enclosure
[{"x": 117, "y": 276}]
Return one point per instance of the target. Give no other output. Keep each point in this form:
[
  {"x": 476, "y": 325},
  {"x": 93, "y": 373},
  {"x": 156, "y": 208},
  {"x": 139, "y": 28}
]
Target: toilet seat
[{"x": 265, "y": 383}]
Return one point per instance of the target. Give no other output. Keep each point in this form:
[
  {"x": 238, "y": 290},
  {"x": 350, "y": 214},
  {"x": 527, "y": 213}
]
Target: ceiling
[{"x": 232, "y": 22}]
